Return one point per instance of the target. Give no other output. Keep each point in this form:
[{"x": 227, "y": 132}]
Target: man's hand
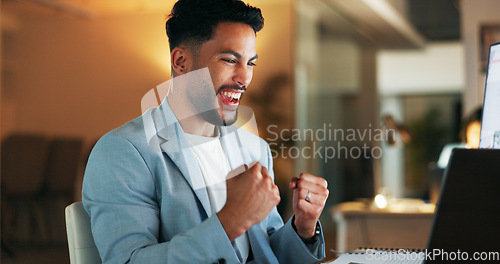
[
  {"x": 309, "y": 198},
  {"x": 250, "y": 197}
]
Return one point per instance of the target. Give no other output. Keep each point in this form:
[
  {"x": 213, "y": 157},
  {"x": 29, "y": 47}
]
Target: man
[{"x": 156, "y": 188}]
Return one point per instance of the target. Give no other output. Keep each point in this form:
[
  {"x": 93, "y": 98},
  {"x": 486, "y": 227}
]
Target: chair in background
[
  {"x": 65, "y": 157},
  {"x": 23, "y": 164},
  {"x": 64, "y": 164},
  {"x": 82, "y": 249}
]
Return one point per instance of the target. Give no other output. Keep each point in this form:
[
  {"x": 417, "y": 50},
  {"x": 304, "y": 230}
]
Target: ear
[{"x": 181, "y": 60}]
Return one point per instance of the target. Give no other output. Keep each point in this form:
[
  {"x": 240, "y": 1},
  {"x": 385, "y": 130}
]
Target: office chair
[{"x": 82, "y": 249}]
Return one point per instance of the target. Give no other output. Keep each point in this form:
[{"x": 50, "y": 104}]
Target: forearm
[
  {"x": 128, "y": 241},
  {"x": 232, "y": 227},
  {"x": 205, "y": 243},
  {"x": 290, "y": 248}
]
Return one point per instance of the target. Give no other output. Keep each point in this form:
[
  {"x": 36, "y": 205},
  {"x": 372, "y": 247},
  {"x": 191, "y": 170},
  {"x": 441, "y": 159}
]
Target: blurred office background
[{"x": 74, "y": 69}]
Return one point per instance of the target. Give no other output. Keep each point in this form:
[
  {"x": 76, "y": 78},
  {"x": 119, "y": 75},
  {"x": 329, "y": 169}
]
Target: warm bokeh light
[
  {"x": 380, "y": 201},
  {"x": 473, "y": 134}
]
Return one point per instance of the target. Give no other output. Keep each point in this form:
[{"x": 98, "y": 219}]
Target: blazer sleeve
[
  {"x": 285, "y": 242},
  {"x": 119, "y": 195}
]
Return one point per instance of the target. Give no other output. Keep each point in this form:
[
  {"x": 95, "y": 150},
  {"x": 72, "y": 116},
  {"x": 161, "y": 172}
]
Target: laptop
[
  {"x": 490, "y": 128},
  {"x": 467, "y": 215}
]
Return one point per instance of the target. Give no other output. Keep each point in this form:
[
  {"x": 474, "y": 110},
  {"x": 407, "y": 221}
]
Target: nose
[{"x": 243, "y": 75}]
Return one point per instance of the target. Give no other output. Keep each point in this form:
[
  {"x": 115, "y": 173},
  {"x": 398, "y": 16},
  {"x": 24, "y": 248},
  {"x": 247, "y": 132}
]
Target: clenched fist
[
  {"x": 309, "y": 198},
  {"x": 250, "y": 197}
]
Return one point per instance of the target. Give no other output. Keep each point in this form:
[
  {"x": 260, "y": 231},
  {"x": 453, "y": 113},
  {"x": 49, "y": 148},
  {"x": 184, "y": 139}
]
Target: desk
[{"x": 360, "y": 226}]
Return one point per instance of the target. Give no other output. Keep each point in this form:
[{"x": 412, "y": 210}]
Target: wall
[
  {"x": 473, "y": 14},
  {"x": 82, "y": 78},
  {"x": 85, "y": 77},
  {"x": 437, "y": 68}
]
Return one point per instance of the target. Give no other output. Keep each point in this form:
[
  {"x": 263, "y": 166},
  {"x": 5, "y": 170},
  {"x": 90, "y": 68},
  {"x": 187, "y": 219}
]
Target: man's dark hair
[{"x": 192, "y": 22}]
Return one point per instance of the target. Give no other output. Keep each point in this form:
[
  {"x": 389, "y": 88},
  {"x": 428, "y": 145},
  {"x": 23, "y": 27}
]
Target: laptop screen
[{"x": 490, "y": 127}]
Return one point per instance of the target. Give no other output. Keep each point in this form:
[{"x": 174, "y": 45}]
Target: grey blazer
[{"x": 147, "y": 200}]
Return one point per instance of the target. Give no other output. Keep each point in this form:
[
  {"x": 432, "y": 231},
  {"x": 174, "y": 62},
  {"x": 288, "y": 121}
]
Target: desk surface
[
  {"x": 412, "y": 208},
  {"x": 361, "y": 225}
]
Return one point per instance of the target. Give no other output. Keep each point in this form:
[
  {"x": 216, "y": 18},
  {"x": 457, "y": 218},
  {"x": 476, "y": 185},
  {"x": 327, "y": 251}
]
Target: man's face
[{"x": 230, "y": 57}]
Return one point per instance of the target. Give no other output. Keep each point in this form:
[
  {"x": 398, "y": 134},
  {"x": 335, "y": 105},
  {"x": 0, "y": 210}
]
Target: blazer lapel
[{"x": 173, "y": 142}]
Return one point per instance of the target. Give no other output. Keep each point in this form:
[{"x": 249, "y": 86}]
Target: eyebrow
[{"x": 237, "y": 55}]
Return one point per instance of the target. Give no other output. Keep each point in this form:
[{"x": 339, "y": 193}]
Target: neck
[
  {"x": 189, "y": 115},
  {"x": 190, "y": 121}
]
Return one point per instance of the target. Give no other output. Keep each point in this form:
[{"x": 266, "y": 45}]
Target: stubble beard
[{"x": 203, "y": 97}]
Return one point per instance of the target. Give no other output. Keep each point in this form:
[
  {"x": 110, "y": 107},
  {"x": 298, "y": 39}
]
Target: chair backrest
[{"x": 82, "y": 249}]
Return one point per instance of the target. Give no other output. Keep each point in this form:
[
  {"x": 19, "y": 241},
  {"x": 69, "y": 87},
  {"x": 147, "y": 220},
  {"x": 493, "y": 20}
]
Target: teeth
[{"x": 232, "y": 95}]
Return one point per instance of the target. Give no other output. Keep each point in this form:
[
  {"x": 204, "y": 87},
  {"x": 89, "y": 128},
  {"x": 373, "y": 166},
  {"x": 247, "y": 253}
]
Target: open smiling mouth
[{"x": 230, "y": 97}]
